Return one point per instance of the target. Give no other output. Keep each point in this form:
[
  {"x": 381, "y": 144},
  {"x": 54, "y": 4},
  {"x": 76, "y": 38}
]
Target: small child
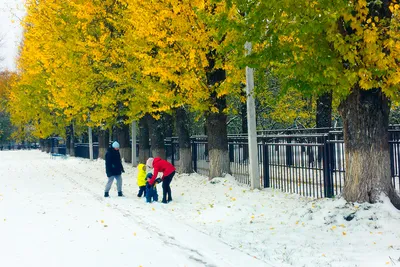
[
  {"x": 151, "y": 190},
  {"x": 141, "y": 180}
]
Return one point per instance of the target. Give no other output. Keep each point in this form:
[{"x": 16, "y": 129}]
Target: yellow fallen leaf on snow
[
  {"x": 387, "y": 263},
  {"x": 374, "y": 243},
  {"x": 153, "y": 208},
  {"x": 343, "y": 233},
  {"x": 230, "y": 188},
  {"x": 233, "y": 199},
  {"x": 333, "y": 227},
  {"x": 134, "y": 234},
  {"x": 342, "y": 225},
  {"x": 252, "y": 216},
  {"x": 271, "y": 228},
  {"x": 323, "y": 255},
  {"x": 297, "y": 222},
  {"x": 102, "y": 221},
  {"x": 379, "y": 233}
]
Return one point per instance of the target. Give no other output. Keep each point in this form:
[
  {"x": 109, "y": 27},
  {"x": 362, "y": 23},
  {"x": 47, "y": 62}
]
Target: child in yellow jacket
[{"x": 141, "y": 180}]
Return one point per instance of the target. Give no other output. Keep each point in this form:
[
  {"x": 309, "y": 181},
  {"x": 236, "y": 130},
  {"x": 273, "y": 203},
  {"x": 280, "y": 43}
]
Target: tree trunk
[
  {"x": 104, "y": 137},
  {"x": 323, "y": 118},
  {"x": 324, "y": 110},
  {"x": 168, "y": 125},
  {"x": 156, "y": 137},
  {"x": 185, "y": 152},
  {"x": 124, "y": 142},
  {"x": 366, "y": 119},
  {"x": 217, "y": 144},
  {"x": 70, "y": 140},
  {"x": 48, "y": 145},
  {"x": 217, "y": 133},
  {"x": 42, "y": 145},
  {"x": 144, "y": 145}
]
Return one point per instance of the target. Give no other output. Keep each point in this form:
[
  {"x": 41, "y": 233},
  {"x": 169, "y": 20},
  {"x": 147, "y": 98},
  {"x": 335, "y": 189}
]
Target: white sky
[{"x": 11, "y": 33}]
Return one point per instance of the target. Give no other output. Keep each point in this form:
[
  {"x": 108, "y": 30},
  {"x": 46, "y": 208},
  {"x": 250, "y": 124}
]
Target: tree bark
[
  {"x": 323, "y": 117},
  {"x": 217, "y": 133},
  {"x": 124, "y": 142},
  {"x": 144, "y": 145},
  {"x": 156, "y": 137},
  {"x": 168, "y": 125},
  {"x": 185, "y": 152},
  {"x": 324, "y": 110},
  {"x": 104, "y": 137},
  {"x": 366, "y": 118},
  {"x": 70, "y": 140},
  {"x": 42, "y": 145},
  {"x": 47, "y": 145},
  {"x": 218, "y": 144}
]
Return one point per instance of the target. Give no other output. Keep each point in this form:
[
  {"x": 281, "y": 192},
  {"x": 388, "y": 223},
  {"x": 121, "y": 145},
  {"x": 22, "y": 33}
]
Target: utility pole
[
  {"x": 90, "y": 143},
  {"x": 134, "y": 143},
  {"x": 251, "y": 124}
]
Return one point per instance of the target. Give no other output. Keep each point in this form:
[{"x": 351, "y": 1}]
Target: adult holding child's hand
[{"x": 168, "y": 170}]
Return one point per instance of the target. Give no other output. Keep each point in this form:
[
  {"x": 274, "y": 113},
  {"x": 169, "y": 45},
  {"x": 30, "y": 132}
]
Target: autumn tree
[
  {"x": 177, "y": 46},
  {"x": 350, "y": 48}
]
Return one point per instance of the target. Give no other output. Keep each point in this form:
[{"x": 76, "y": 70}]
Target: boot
[
  {"x": 120, "y": 194},
  {"x": 106, "y": 194}
]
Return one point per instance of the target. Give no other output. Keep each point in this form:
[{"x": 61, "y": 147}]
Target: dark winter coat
[{"x": 113, "y": 162}]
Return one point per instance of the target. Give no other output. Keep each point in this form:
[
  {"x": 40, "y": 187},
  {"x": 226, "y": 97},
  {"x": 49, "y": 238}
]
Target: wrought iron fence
[
  {"x": 303, "y": 162},
  {"x": 309, "y": 162}
]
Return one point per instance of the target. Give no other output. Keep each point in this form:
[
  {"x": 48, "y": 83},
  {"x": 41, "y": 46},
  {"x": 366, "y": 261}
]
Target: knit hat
[
  {"x": 115, "y": 144},
  {"x": 149, "y": 163}
]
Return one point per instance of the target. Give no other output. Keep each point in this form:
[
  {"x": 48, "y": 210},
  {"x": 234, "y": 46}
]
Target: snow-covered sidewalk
[{"x": 52, "y": 213}]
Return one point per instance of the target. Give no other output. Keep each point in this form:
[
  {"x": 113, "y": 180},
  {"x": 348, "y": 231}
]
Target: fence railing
[{"x": 307, "y": 162}]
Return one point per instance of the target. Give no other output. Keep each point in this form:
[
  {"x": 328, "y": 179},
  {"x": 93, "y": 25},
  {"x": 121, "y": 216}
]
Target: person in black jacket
[{"x": 114, "y": 169}]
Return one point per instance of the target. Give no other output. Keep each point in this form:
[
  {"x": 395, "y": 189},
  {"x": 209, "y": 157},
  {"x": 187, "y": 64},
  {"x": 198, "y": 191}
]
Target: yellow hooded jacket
[{"x": 141, "y": 178}]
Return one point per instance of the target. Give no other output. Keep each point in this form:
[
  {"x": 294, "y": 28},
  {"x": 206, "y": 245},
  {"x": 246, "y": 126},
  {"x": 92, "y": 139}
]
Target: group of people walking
[{"x": 147, "y": 178}]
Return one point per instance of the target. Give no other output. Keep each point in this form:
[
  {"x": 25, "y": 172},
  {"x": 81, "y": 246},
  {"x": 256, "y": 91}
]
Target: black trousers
[
  {"x": 142, "y": 189},
  {"x": 167, "y": 188}
]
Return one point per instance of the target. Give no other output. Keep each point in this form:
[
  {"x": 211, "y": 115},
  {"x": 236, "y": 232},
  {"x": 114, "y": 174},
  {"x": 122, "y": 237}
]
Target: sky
[{"x": 11, "y": 11}]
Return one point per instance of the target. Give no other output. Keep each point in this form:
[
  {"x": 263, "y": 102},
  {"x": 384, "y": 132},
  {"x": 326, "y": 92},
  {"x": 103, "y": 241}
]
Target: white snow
[{"x": 52, "y": 213}]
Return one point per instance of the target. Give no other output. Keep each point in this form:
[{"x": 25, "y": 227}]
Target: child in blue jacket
[{"x": 151, "y": 190}]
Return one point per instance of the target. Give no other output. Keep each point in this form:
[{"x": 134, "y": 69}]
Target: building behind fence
[{"x": 309, "y": 162}]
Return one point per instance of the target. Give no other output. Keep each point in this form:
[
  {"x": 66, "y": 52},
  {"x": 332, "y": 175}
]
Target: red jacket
[{"x": 163, "y": 166}]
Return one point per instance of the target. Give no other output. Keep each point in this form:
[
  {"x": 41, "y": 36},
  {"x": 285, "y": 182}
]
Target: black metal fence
[
  {"x": 309, "y": 162},
  {"x": 299, "y": 161}
]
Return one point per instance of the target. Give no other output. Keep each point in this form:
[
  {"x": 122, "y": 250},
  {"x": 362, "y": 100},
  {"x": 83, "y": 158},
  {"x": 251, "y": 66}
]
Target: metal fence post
[
  {"x": 328, "y": 179},
  {"x": 194, "y": 154},
  {"x": 265, "y": 164},
  {"x": 231, "y": 153}
]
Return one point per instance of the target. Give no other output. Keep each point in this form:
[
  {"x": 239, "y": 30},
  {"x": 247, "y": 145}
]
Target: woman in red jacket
[{"x": 168, "y": 170}]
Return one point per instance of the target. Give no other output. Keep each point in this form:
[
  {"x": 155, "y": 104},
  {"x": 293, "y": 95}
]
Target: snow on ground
[{"x": 52, "y": 213}]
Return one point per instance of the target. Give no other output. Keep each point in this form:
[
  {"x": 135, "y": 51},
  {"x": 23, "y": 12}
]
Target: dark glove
[{"x": 158, "y": 180}]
